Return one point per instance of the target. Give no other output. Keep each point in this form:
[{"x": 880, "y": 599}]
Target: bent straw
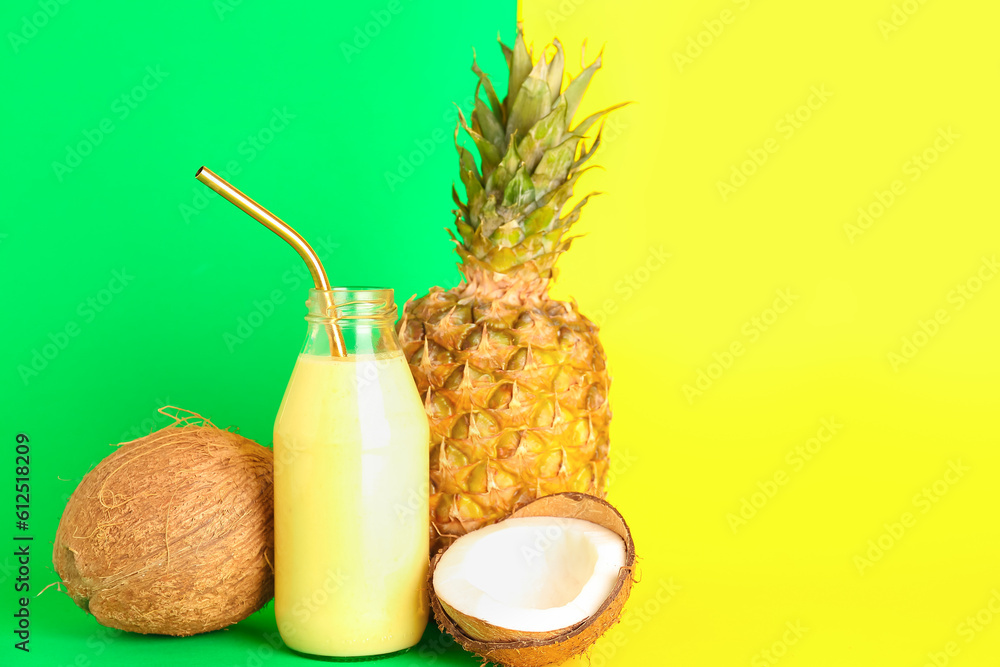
[{"x": 285, "y": 231}]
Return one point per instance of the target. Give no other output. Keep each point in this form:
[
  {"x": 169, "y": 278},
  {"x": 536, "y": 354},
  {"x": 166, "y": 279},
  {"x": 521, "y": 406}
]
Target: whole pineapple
[{"x": 515, "y": 383}]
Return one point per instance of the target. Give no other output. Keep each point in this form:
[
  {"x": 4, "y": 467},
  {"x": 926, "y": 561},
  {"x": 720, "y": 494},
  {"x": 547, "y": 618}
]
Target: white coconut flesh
[{"x": 531, "y": 574}]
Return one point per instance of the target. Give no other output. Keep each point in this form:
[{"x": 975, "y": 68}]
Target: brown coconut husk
[
  {"x": 172, "y": 533},
  {"x": 539, "y": 649}
]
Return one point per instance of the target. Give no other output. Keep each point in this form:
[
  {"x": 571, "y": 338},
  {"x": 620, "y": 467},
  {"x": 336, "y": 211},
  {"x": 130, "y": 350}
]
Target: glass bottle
[{"x": 351, "y": 485}]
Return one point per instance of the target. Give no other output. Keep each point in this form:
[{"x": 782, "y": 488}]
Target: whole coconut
[{"x": 172, "y": 534}]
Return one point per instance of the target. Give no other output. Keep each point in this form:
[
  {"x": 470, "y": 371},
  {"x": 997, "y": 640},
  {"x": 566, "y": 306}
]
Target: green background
[{"x": 330, "y": 122}]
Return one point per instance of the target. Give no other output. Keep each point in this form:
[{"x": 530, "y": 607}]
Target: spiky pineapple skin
[
  {"x": 515, "y": 384},
  {"x": 516, "y": 392}
]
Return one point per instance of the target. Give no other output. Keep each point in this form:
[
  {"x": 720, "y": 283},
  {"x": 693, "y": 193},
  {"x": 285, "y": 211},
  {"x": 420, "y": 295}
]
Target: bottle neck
[{"x": 363, "y": 318}]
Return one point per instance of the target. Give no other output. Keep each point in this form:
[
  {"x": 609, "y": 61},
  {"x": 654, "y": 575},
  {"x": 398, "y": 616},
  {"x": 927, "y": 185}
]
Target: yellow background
[{"x": 709, "y": 594}]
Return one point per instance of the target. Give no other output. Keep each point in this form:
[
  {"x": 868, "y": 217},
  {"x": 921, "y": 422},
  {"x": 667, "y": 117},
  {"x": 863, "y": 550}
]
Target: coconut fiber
[{"x": 172, "y": 533}]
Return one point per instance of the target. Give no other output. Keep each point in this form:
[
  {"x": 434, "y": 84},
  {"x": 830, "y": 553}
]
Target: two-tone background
[{"x": 794, "y": 266}]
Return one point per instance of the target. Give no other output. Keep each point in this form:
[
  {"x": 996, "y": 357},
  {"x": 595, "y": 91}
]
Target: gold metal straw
[{"x": 285, "y": 231}]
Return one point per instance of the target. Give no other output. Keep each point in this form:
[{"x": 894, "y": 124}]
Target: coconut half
[{"x": 539, "y": 586}]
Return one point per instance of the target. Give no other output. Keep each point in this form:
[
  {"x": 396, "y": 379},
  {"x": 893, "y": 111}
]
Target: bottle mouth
[{"x": 344, "y": 306}]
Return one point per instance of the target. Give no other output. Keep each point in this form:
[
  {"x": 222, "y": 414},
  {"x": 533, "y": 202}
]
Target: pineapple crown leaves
[{"x": 529, "y": 160}]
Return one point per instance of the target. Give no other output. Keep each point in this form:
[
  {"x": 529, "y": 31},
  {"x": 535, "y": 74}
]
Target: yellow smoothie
[{"x": 350, "y": 503}]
